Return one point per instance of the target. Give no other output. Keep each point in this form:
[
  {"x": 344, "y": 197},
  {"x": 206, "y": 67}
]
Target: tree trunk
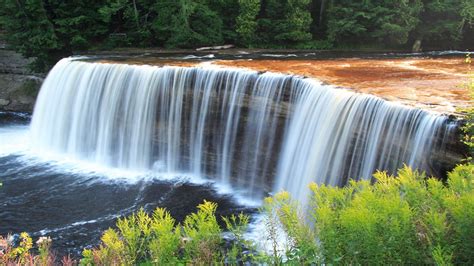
[
  {"x": 321, "y": 12},
  {"x": 416, "y": 48},
  {"x": 136, "y": 13}
]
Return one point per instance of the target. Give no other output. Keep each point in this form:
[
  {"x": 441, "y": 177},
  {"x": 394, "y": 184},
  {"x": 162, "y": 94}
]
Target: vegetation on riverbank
[
  {"x": 49, "y": 30},
  {"x": 468, "y": 127},
  {"x": 403, "y": 219},
  {"x": 407, "y": 219}
]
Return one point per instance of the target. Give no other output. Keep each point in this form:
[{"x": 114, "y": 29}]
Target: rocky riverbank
[{"x": 18, "y": 85}]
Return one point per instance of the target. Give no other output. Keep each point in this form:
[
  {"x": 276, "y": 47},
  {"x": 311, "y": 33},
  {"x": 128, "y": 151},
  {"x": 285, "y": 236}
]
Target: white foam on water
[
  {"x": 279, "y": 55},
  {"x": 260, "y": 233},
  {"x": 13, "y": 139}
]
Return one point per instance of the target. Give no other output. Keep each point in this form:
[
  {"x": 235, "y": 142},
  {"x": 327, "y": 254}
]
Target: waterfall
[
  {"x": 337, "y": 135},
  {"x": 255, "y": 132}
]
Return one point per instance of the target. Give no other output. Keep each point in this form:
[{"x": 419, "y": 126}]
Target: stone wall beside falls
[{"x": 255, "y": 132}]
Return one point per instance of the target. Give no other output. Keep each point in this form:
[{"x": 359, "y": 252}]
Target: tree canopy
[{"x": 51, "y": 29}]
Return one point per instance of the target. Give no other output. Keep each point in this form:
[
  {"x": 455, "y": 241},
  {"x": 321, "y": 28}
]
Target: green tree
[
  {"x": 285, "y": 22},
  {"x": 443, "y": 21},
  {"x": 30, "y": 32},
  {"x": 246, "y": 23},
  {"x": 76, "y": 24},
  {"x": 227, "y": 10},
  {"x": 132, "y": 18},
  {"x": 50, "y": 30},
  {"x": 380, "y": 21},
  {"x": 186, "y": 23},
  {"x": 295, "y": 27},
  {"x": 467, "y": 13}
]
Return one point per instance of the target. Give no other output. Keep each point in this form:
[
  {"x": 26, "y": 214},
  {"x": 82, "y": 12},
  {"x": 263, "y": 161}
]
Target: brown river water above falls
[
  {"x": 432, "y": 84},
  {"x": 436, "y": 84}
]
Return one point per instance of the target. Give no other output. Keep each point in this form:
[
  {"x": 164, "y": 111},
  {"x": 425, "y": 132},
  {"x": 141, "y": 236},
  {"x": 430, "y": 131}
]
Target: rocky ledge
[{"x": 18, "y": 85}]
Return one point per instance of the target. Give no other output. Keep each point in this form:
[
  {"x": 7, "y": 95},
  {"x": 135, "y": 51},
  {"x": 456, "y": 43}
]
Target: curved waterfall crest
[{"x": 256, "y": 132}]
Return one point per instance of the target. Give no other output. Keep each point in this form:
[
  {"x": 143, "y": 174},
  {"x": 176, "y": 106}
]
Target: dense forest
[{"x": 51, "y": 29}]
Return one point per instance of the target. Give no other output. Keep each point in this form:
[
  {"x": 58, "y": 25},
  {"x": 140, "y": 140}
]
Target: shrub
[
  {"x": 158, "y": 240},
  {"x": 301, "y": 247},
  {"x": 406, "y": 219},
  {"x": 44, "y": 249},
  {"x": 165, "y": 242},
  {"x": 403, "y": 219},
  {"x": 22, "y": 252},
  {"x": 202, "y": 234},
  {"x": 468, "y": 127},
  {"x": 17, "y": 250},
  {"x": 237, "y": 226}
]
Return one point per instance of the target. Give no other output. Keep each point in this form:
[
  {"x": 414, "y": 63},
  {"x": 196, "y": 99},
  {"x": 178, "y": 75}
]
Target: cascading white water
[
  {"x": 337, "y": 135},
  {"x": 254, "y": 131}
]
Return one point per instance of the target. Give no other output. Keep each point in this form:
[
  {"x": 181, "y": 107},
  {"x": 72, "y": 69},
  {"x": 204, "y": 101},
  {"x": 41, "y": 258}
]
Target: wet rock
[
  {"x": 18, "y": 92},
  {"x": 18, "y": 85},
  {"x": 14, "y": 118},
  {"x": 4, "y": 102}
]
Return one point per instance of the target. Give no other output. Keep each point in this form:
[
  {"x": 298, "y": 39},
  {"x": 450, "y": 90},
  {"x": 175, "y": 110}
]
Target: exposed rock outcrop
[{"x": 18, "y": 85}]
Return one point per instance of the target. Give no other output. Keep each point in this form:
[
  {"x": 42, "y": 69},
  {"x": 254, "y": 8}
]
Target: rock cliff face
[{"x": 18, "y": 85}]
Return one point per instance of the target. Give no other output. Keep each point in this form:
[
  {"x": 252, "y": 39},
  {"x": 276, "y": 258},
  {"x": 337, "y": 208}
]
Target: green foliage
[
  {"x": 442, "y": 22},
  {"x": 21, "y": 253},
  {"x": 468, "y": 128},
  {"x": 49, "y": 30},
  {"x": 285, "y": 22},
  {"x": 158, "y": 240},
  {"x": 128, "y": 22},
  {"x": 389, "y": 22},
  {"x": 30, "y": 31},
  {"x": 246, "y": 23},
  {"x": 398, "y": 220},
  {"x": 296, "y": 23},
  {"x": 237, "y": 226},
  {"x": 165, "y": 241},
  {"x": 203, "y": 234},
  {"x": 459, "y": 205},
  {"x": 186, "y": 23},
  {"x": 44, "y": 249},
  {"x": 406, "y": 219},
  {"x": 467, "y": 13},
  {"x": 301, "y": 245}
]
